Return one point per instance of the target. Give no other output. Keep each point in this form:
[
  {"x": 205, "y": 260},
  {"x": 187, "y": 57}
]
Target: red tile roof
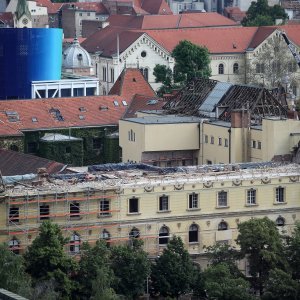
[
  {"x": 53, "y": 8},
  {"x": 131, "y": 82},
  {"x": 141, "y": 102},
  {"x": 97, "y": 7},
  {"x": 234, "y": 13},
  {"x": 95, "y": 111},
  {"x": 7, "y": 18},
  {"x": 16, "y": 163},
  {"x": 105, "y": 40},
  {"x": 156, "y": 7},
  {"x": 190, "y": 20}
]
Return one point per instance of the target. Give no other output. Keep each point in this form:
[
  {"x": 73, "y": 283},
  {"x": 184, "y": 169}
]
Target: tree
[
  {"x": 224, "y": 253},
  {"x": 261, "y": 244},
  {"x": 221, "y": 284},
  {"x": 281, "y": 286},
  {"x": 95, "y": 276},
  {"x": 261, "y": 14},
  {"x": 293, "y": 251},
  {"x": 12, "y": 273},
  {"x": 272, "y": 65},
  {"x": 173, "y": 273},
  {"x": 190, "y": 61},
  {"x": 46, "y": 260},
  {"x": 131, "y": 267}
]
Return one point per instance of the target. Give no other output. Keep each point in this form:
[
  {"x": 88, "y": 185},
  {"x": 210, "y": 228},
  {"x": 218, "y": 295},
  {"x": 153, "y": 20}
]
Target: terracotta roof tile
[
  {"x": 98, "y": 7},
  {"x": 131, "y": 82},
  {"x": 156, "y": 7},
  {"x": 7, "y": 18},
  {"x": 16, "y": 163},
  {"x": 141, "y": 102},
  {"x": 37, "y": 114},
  {"x": 53, "y": 8}
]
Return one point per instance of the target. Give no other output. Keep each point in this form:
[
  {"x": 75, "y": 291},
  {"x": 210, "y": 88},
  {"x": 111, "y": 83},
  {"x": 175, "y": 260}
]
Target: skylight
[
  {"x": 34, "y": 119},
  {"x": 152, "y": 102},
  {"x": 124, "y": 103},
  {"x": 12, "y": 116},
  {"x": 116, "y": 103}
]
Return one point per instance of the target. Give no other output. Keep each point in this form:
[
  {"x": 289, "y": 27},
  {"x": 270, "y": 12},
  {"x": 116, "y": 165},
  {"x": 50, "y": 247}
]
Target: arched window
[
  {"x": 75, "y": 243},
  {"x": 221, "y": 68},
  {"x": 14, "y": 245},
  {"x": 222, "y": 225},
  {"x": 105, "y": 235},
  {"x": 134, "y": 233},
  {"x": 163, "y": 235},
  {"x": 193, "y": 233},
  {"x": 14, "y": 148},
  {"x": 235, "y": 68},
  {"x": 280, "y": 221}
]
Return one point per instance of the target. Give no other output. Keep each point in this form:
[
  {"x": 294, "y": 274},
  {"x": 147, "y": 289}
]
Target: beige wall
[{"x": 148, "y": 220}]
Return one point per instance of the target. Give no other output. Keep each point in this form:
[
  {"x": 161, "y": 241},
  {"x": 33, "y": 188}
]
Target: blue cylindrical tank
[{"x": 26, "y": 55}]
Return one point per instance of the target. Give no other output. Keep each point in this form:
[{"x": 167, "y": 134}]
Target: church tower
[{"x": 22, "y": 16}]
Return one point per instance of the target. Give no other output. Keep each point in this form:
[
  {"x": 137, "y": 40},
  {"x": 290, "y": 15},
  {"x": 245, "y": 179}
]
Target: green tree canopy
[
  {"x": 262, "y": 244},
  {"x": 190, "y": 61},
  {"x": 173, "y": 273},
  {"x": 46, "y": 259},
  {"x": 281, "y": 286},
  {"x": 131, "y": 267},
  {"x": 12, "y": 273},
  {"x": 220, "y": 283},
  {"x": 95, "y": 276},
  {"x": 261, "y": 14}
]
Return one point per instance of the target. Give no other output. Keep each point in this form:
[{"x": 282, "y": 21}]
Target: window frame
[
  {"x": 137, "y": 205},
  {"x": 163, "y": 237},
  {"x": 221, "y": 69},
  {"x": 193, "y": 234},
  {"x": 222, "y": 226},
  {"x": 14, "y": 215},
  {"x": 74, "y": 206},
  {"x": 74, "y": 244},
  {"x": 280, "y": 193},
  {"x": 219, "y": 196},
  {"x": 193, "y": 201},
  {"x": 251, "y": 194},
  {"x": 164, "y": 203},
  {"x": 44, "y": 215},
  {"x": 104, "y": 208}
]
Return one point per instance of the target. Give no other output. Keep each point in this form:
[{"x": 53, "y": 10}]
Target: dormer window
[{"x": 79, "y": 56}]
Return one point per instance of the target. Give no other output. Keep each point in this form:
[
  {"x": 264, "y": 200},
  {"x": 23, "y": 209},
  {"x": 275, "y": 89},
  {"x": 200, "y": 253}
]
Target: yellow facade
[
  {"x": 200, "y": 205},
  {"x": 209, "y": 142}
]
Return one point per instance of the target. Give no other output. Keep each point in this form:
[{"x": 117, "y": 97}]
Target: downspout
[{"x": 229, "y": 145}]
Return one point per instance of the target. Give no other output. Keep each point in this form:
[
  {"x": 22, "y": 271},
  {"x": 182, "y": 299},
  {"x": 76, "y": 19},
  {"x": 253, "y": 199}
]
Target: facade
[
  {"x": 178, "y": 7},
  {"x": 201, "y": 205},
  {"x": 237, "y": 56}
]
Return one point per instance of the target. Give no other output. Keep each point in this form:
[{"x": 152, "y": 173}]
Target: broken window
[
  {"x": 74, "y": 210},
  {"x": 44, "y": 212},
  {"x": 163, "y": 238},
  {"x": 14, "y": 215},
  {"x": 133, "y": 205},
  {"x": 193, "y": 233}
]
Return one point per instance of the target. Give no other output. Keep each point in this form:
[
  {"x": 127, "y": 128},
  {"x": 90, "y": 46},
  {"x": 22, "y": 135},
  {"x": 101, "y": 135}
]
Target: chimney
[{"x": 239, "y": 118}]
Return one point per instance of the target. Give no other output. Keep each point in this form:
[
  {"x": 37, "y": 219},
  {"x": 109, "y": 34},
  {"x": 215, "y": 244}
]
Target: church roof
[
  {"x": 22, "y": 9},
  {"x": 76, "y": 57}
]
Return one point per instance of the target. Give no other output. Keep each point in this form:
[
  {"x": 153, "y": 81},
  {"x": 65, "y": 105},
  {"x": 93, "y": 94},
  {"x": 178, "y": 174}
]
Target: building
[
  {"x": 238, "y": 54},
  {"x": 178, "y": 6},
  {"x": 210, "y": 122},
  {"x": 203, "y": 205}
]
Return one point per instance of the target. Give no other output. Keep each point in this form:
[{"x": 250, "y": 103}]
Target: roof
[
  {"x": 17, "y": 163},
  {"x": 57, "y": 137},
  {"x": 234, "y": 13},
  {"x": 39, "y": 114},
  {"x": 105, "y": 40},
  {"x": 131, "y": 82},
  {"x": 97, "y": 7},
  {"x": 171, "y": 119},
  {"x": 52, "y": 7},
  {"x": 156, "y": 7},
  {"x": 7, "y": 18},
  {"x": 190, "y": 20},
  {"x": 141, "y": 103}
]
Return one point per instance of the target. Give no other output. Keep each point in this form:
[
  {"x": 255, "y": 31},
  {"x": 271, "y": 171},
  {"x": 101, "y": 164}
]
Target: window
[
  {"x": 14, "y": 246},
  {"x": 292, "y": 67},
  {"x": 253, "y": 144},
  {"x": 124, "y": 103},
  {"x": 235, "y": 68},
  {"x": 220, "y": 141},
  {"x": 260, "y": 68},
  {"x": 276, "y": 66},
  {"x": 134, "y": 233},
  {"x": 104, "y": 73},
  {"x": 14, "y": 148},
  {"x": 226, "y": 143},
  {"x": 222, "y": 226},
  {"x": 280, "y": 195},
  {"x": 193, "y": 233},
  {"x": 251, "y": 197},
  {"x": 14, "y": 215},
  {"x": 163, "y": 238},
  {"x": 133, "y": 205},
  {"x": 212, "y": 140},
  {"x": 34, "y": 119},
  {"x": 221, "y": 68},
  {"x": 105, "y": 235},
  {"x": 164, "y": 203},
  {"x": 44, "y": 212},
  {"x": 131, "y": 136},
  {"x": 74, "y": 210},
  {"x": 68, "y": 149},
  {"x": 145, "y": 73},
  {"x": 97, "y": 143},
  {"x": 104, "y": 207},
  {"x": 116, "y": 103},
  {"x": 143, "y": 54},
  {"x": 209, "y": 162},
  {"x": 75, "y": 243},
  {"x": 193, "y": 201},
  {"x": 31, "y": 147},
  {"x": 112, "y": 75},
  {"x": 280, "y": 221},
  {"x": 258, "y": 145},
  {"x": 206, "y": 139},
  {"x": 222, "y": 199}
]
